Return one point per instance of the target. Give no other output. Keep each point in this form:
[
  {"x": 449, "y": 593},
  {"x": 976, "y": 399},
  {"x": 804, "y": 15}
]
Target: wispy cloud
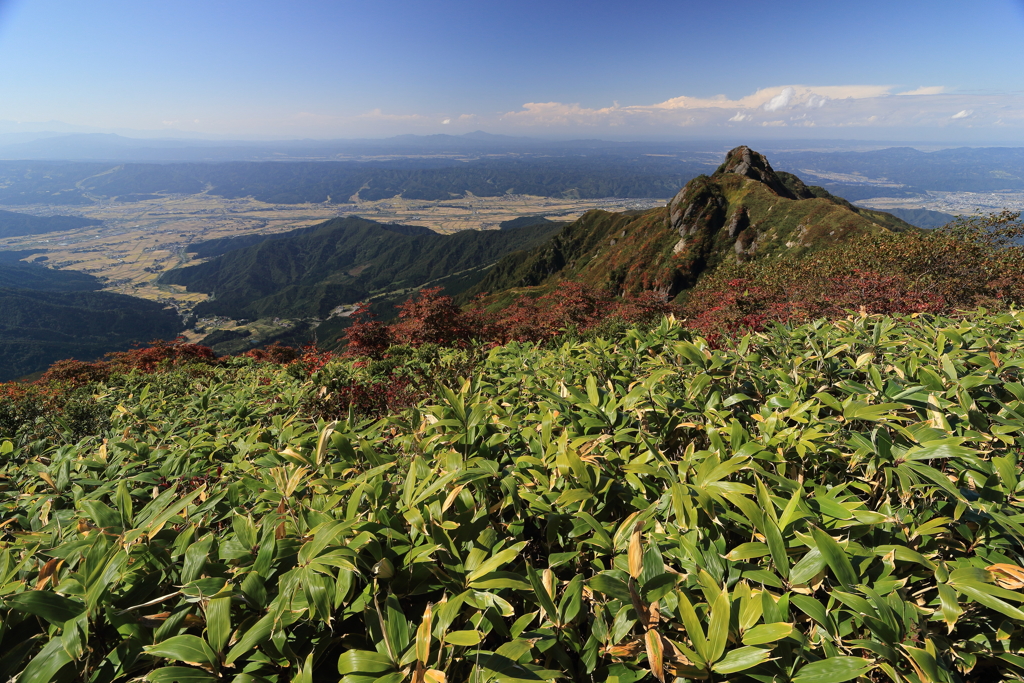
[{"x": 839, "y": 106}]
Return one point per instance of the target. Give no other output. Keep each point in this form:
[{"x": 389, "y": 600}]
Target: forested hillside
[
  {"x": 344, "y": 261},
  {"x": 13, "y": 224},
  {"x": 49, "y": 315},
  {"x": 39, "y": 327}
]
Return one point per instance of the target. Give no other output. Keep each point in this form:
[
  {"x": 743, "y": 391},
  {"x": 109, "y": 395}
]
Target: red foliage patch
[{"x": 274, "y": 353}]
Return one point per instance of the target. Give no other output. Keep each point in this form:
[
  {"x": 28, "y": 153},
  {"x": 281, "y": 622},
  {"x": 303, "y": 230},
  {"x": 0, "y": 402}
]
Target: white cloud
[
  {"x": 446, "y": 122},
  {"x": 818, "y": 106},
  {"x": 780, "y": 101},
  {"x": 930, "y": 90}
]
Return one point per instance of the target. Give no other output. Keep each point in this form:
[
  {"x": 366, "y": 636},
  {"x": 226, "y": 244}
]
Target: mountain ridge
[{"x": 712, "y": 219}]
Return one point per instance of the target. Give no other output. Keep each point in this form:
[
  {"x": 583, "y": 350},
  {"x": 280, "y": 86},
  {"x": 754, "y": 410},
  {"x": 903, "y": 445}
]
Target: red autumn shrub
[
  {"x": 148, "y": 359},
  {"x": 432, "y": 318},
  {"x": 367, "y": 336},
  {"x": 273, "y": 353},
  {"x": 76, "y": 373}
]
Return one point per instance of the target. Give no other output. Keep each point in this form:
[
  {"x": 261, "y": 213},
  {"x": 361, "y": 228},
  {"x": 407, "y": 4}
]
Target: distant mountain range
[
  {"x": 37, "y": 169},
  {"x": 81, "y": 183},
  {"x": 118, "y": 148}
]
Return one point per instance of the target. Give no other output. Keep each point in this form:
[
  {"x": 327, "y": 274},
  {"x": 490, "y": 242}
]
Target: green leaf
[
  {"x": 980, "y": 593},
  {"x": 835, "y": 557},
  {"x": 718, "y": 629},
  {"x": 253, "y": 636},
  {"x": 463, "y": 638},
  {"x": 777, "y": 546},
  {"x": 184, "y": 648},
  {"x": 833, "y": 670},
  {"x": 812, "y": 608},
  {"x": 807, "y": 568},
  {"x": 693, "y": 628},
  {"x": 572, "y": 600},
  {"x": 44, "y": 666},
  {"x": 925, "y": 661},
  {"x": 766, "y": 633},
  {"x": 498, "y": 580},
  {"x": 492, "y": 564},
  {"x": 741, "y": 659},
  {"x": 179, "y": 674},
  {"x": 747, "y": 551},
  {"x": 949, "y": 605},
  {"x": 218, "y": 622},
  {"x": 858, "y": 410},
  {"x": 364, "y": 662},
  {"x": 56, "y": 609},
  {"x": 610, "y": 586},
  {"x": 543, "y": 599}
]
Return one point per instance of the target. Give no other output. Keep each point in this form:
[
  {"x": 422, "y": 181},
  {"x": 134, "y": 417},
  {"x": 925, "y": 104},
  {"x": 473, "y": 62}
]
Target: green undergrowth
[{"x": 817, "y": 503}]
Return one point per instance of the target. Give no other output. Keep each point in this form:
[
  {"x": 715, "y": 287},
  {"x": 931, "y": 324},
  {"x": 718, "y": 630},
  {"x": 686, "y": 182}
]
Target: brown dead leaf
[
  {"x": 1008, "y": 576},
  {"x": 625, "y": 651},
  {"x": 655, "y": 658},
  {"x": 45, "y": 476},
  {"x": 48, "y": 572},
  {"x": 434, "y": 676},
  {"x": 636, "y": 551},
  {"x": 153, "y": 620}
]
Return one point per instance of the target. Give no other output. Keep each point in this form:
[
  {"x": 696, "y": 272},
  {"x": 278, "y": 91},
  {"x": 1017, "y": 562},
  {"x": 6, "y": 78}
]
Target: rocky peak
[{"x": 750, "y": 164}]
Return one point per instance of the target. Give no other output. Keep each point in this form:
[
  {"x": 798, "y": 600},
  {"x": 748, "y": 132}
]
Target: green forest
[
  {"x": 308, "y": 272},
  {"x": 49, "y": 315}
]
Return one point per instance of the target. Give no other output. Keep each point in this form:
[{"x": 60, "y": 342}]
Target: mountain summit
[{"x": 744, "y": 210}]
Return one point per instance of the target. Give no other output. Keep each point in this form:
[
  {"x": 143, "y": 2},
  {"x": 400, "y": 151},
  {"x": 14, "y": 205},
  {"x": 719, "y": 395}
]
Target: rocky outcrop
[
  {"x": 750, "y": 164},
  {"x": 698, "y": 209}
]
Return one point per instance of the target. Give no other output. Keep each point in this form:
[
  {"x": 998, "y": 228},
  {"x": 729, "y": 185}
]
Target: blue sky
[{"x": 938, "y": 70}]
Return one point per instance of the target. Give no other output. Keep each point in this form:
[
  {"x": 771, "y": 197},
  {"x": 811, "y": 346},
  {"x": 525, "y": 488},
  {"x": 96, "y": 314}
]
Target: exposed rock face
[
  {"x": 750, "y": 164},
  {"x": 739, "y": 222}
]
